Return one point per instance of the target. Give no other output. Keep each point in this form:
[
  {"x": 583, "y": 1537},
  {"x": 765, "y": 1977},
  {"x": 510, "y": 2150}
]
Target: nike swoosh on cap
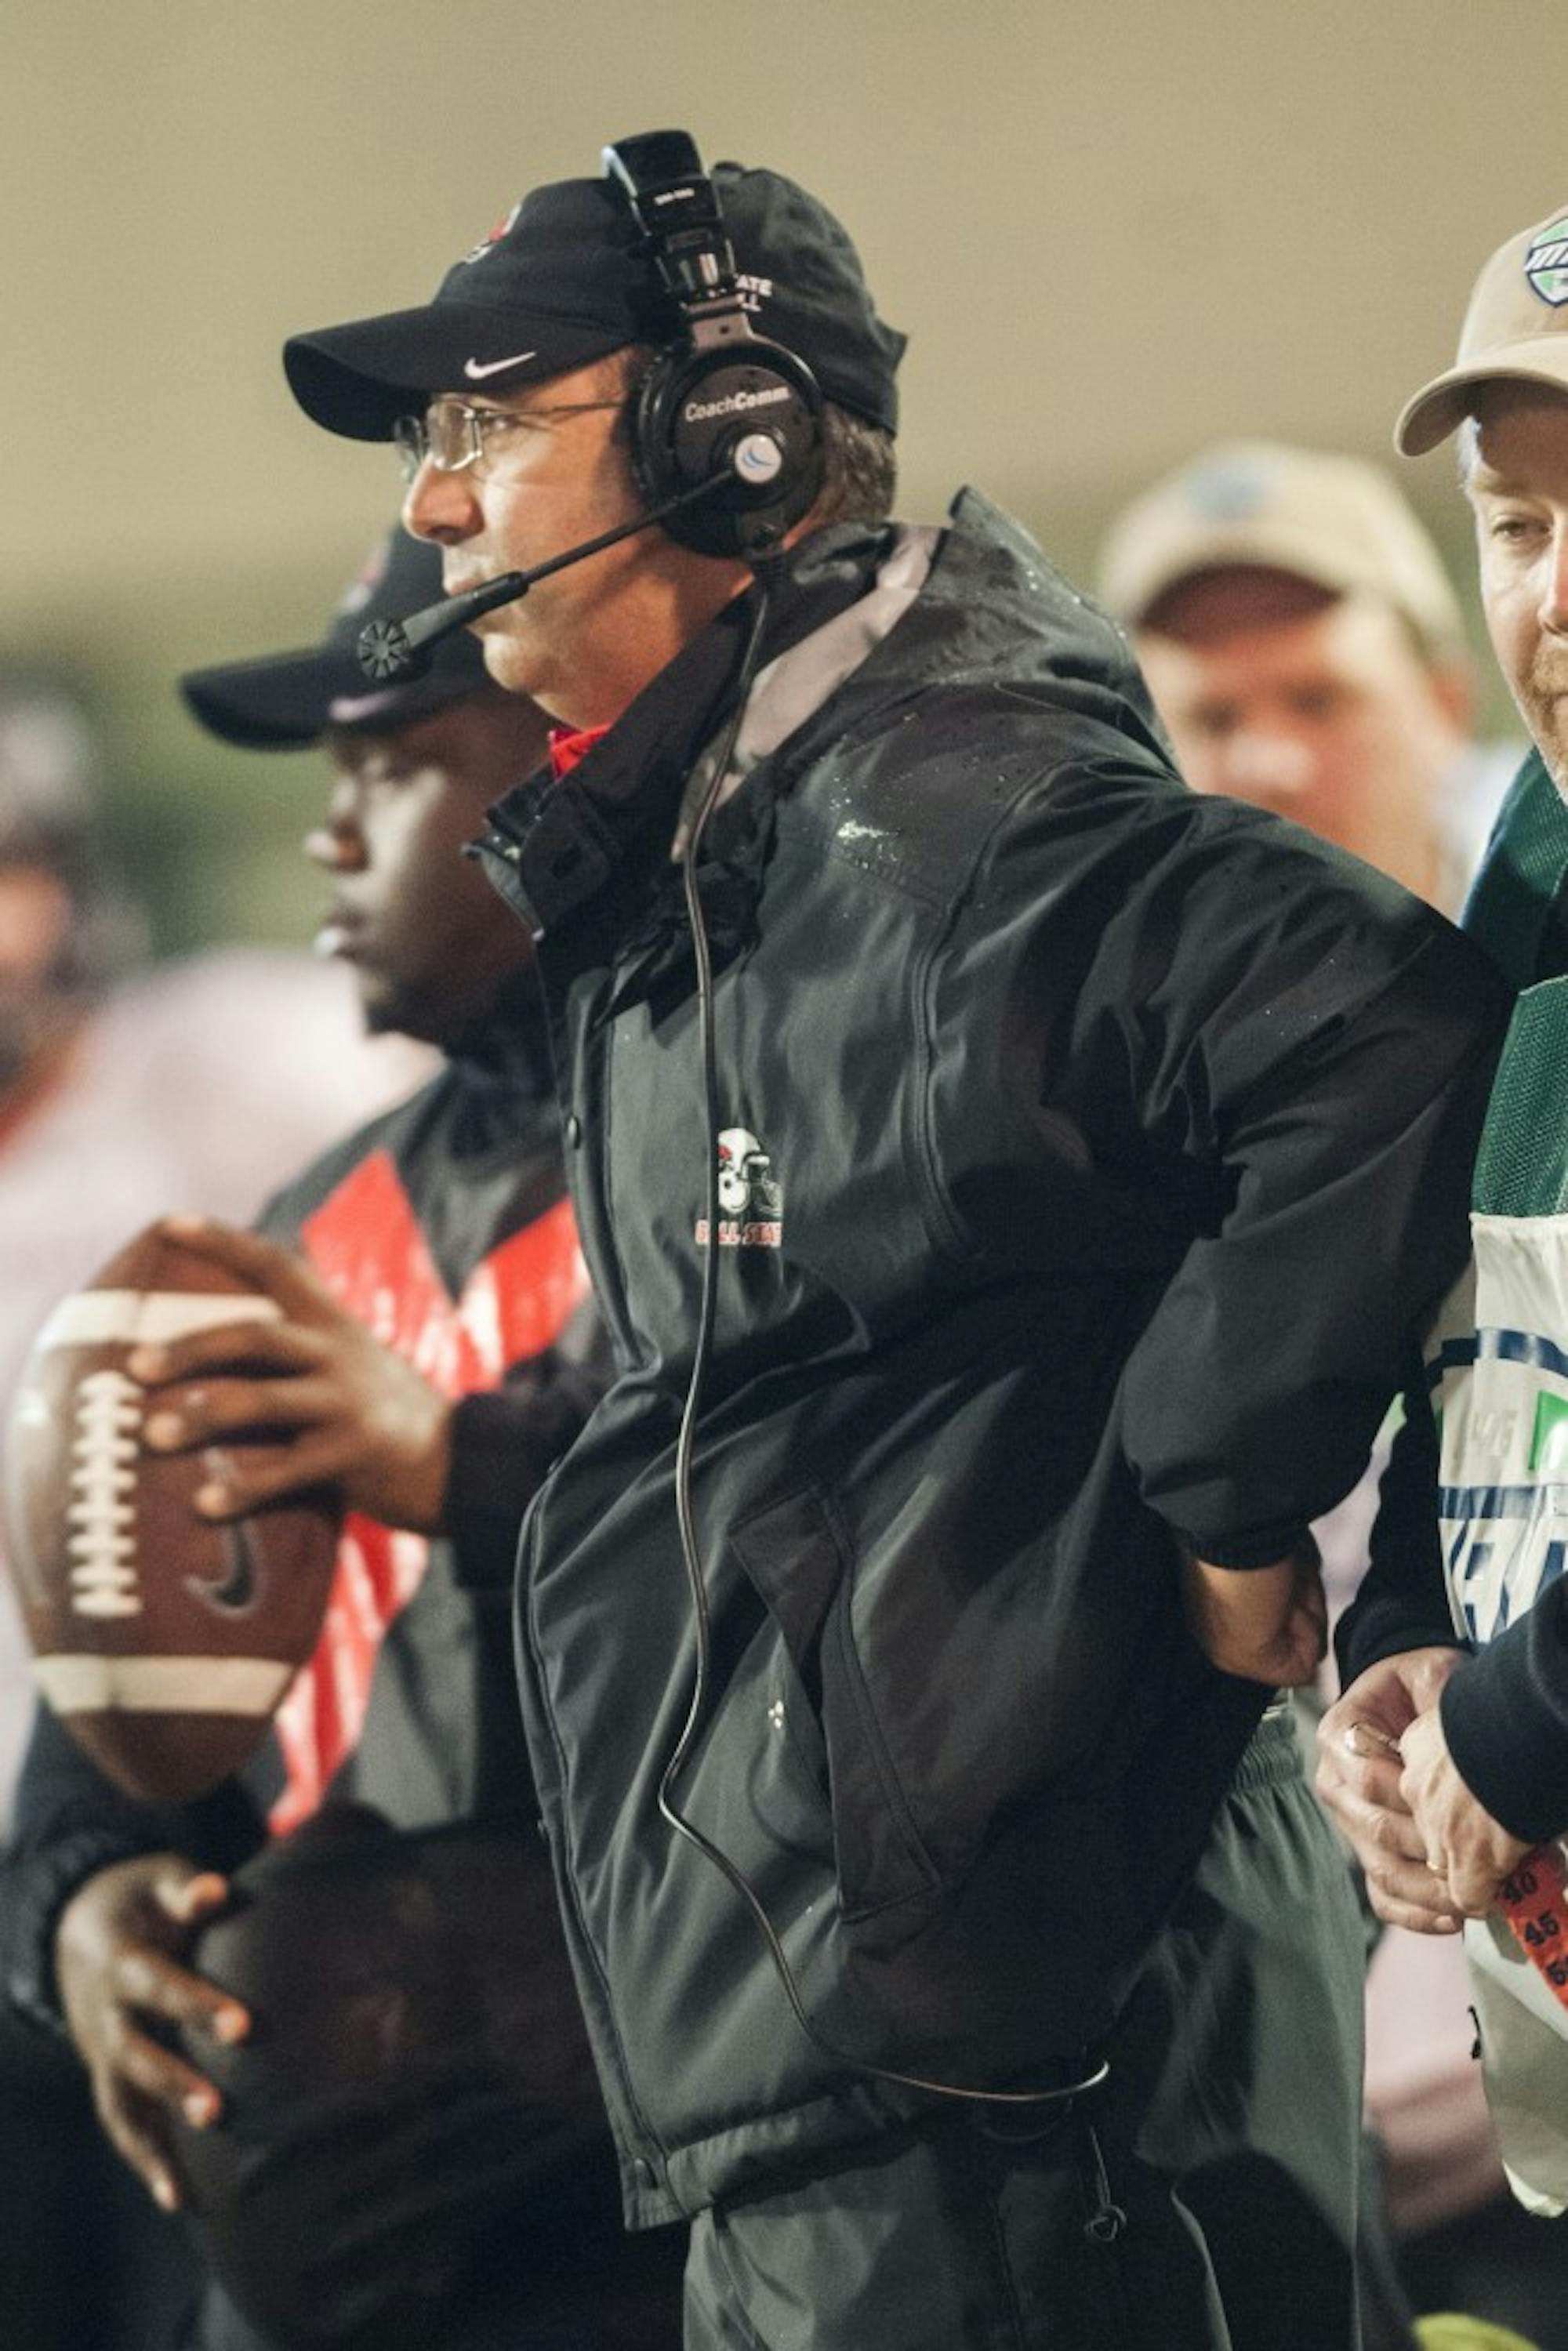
[{"x": 477, "y": 370}]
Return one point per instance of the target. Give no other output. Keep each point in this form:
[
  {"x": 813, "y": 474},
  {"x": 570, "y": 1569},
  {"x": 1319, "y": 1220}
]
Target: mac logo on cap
[{"x": 1546, "y": 264}]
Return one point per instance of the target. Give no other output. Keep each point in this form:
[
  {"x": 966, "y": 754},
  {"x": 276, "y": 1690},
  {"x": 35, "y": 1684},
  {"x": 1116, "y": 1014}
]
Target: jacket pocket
[{"x": 795, "y": 1555}]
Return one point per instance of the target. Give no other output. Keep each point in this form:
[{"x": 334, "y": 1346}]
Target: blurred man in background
[
  {"x": 1306, "y": 651},
  {"x": 125, "y": 1087},
  {"x": 411, "y": 2150}
]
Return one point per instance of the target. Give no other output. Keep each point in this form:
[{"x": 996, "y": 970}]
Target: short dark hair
[{"x": 860, "y": 473}]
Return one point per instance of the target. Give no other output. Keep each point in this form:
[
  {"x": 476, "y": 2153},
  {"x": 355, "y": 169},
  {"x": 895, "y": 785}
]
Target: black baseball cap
[
  {"x": 566, "y": 278},
  {"x": 288, "y": 700}
]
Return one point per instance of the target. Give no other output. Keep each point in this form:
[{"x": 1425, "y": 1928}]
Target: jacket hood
[{"x": 996, "y": 611}]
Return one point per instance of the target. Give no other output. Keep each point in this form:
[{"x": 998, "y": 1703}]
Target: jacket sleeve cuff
[
  {"x": 1258, "y": 1550},
  {"x": 1505, "y": 1717},
  {"x": 1381, "y": 1628},
  {"x": 39, "y": 1891}
]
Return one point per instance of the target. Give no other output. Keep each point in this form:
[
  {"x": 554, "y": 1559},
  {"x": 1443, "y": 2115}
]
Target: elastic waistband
[{"x": 1273, "y": 1754}]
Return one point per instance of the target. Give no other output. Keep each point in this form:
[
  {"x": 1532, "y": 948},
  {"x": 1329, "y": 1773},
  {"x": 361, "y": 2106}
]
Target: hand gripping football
[{"x": 164, "y": 1642}]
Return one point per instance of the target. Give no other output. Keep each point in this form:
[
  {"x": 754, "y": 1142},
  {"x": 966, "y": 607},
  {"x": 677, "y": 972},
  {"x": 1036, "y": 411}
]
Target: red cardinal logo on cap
[{"x": 496, "y": 234}]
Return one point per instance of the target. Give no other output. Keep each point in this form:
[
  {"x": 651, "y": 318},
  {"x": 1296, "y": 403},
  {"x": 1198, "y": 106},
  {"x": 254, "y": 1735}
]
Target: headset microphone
[{"x": 392, "y": 651}]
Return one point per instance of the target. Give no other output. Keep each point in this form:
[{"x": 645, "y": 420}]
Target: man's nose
[
  {"x": 1554, "y": 584},
  {"x": 440, "y": 505},
  {"x": 339, "y": 845},
  {"x": 1264, "y": 763}
]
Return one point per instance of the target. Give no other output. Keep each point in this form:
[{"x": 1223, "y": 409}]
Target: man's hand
[
  {"x": 332, "y": 1406},
  {"x": 1470, "y": 1851},
  {"x": 1266, "y": 1624},
  {"x": 1360, "y": 1770},
  {"x": 117, "y": 1952}
]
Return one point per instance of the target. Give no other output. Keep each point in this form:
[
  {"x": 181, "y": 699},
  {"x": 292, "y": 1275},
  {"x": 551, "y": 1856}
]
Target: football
[{"x": 163, "y": 1642}]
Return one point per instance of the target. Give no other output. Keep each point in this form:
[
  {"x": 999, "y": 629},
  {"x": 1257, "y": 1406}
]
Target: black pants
[
  {"x": 1205, "y": 2199},
  {"x": 555, "y": 2278},
  {"x": 414, "y": 2155},
  {"x": 88, "y": 2262}
]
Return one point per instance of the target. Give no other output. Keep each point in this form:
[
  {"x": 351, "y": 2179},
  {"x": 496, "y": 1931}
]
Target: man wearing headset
[{"x": 1009, "y": 1202}]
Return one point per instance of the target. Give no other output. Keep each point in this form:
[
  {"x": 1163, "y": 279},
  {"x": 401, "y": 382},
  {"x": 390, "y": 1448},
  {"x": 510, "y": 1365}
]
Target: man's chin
[
  {"x": 514, "y": 662},
  {"x": 387, "y": 1011},
  {"x": 383, "y": 1010}
]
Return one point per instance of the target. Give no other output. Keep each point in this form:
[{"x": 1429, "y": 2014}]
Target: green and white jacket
[{"x": 1496, "y": 1439}]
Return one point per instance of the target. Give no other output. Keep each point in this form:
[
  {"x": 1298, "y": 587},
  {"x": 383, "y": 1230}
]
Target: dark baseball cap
[
  {"x": 288, "y": 700},
  {"x": 566, "y": 278}
]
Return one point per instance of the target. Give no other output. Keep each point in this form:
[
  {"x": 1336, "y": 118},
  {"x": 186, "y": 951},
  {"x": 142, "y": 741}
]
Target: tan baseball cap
[
  {"x": 1516, "y": 327},
  {"x": 1335, "y": 521}
]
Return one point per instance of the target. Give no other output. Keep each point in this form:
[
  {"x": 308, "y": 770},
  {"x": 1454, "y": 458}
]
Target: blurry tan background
[{"x": 1112, "y": 231}]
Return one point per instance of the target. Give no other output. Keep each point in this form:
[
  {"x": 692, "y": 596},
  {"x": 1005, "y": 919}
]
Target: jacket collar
[
  {"x": 585, "y": 861},
  {"x": 596, "y": 838},
  {"x": 1517, "y": 907}
]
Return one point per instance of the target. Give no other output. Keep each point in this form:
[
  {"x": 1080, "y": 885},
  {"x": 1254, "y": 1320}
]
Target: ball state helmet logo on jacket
[{"x": 751, "y": 1199}]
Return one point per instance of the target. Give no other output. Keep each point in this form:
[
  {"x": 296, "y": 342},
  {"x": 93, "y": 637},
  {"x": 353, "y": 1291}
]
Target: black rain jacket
[{"x": 1088, "y": 1150}]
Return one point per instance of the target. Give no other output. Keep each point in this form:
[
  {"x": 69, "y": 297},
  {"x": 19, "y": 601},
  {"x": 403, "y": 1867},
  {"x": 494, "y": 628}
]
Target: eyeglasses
[{"x": 452, "y": 435}]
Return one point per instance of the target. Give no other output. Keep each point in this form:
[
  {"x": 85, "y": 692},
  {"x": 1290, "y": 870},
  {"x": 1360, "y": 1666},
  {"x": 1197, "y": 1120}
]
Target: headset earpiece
[
  {"x": 753, "y": 407},
  {"x": 722, "y": 396}
]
